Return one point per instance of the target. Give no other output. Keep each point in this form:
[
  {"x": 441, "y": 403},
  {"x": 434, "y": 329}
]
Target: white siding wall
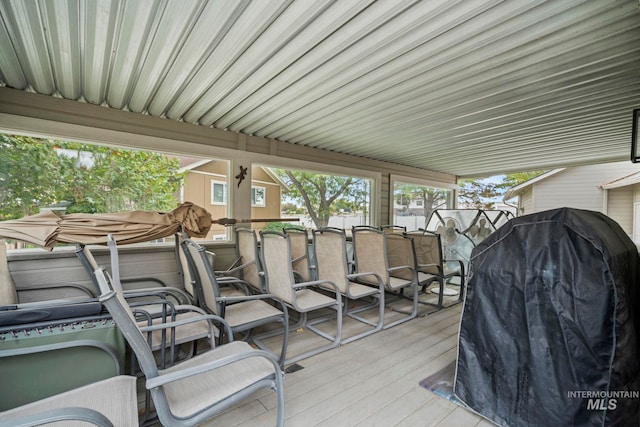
[
  {"x": 620, "y": 207},
  {"x": 577, "y": 187},
  {"x": 526, "y": 202}
]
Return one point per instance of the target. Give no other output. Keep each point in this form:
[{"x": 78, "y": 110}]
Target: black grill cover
[{"x": 550, "y": 323}]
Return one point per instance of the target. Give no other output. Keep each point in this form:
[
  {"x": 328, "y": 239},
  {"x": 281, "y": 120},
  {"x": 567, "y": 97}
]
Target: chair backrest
[
  {"x": 88, "y": 261},
  {"x": 113, "y": 299},
  {"x": 428, "y": 251},
  {"x": 8, "y": 294},
  {"x": 185, "y": 271},
  {"x": 115, "y": 303},
  {"x": 370, "y": 253},
  {"x": 276, "y": 255},
  {"x": 393, "y": 229},
  {"x": 202, "y": 275},
  {"x": 330, "y": 253},
  {"x": 248, "y": 253},
  {"x": 299, "y": 239},
  {"x": 400, "y": 252}
]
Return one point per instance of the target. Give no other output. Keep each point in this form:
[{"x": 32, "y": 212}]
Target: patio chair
[
  {"x": 107, "y": 403},
  {"x": 431, "y": 262},
  {"x": 229, "y": 285},
  {"x": 152, "y": 307},
  {"x": 197, "y": 389},
  {"x": 88, "y": 261},
  {"x": 371, "y": 255},
  {"x": 247, "y": 266},
  {"x": 330, "y": 254},
  {"x": 393, "y": 229},
  {"x": 302, "y": 297},
  {"x": 242, "y": 313},
  {"x": 300, "y": 251}
]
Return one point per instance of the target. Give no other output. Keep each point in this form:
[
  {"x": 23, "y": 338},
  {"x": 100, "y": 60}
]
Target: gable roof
[
  {"x": 518, "y": 189},
  {"x": 191, "y": 163},
  {"x": 632, "y": 178}
]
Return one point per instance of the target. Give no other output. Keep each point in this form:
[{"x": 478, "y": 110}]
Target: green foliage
[
  {"x": 513, "y": 179},
  {"x": 36, "y": 173},
  {"x": 432, "y": 198},
  {"x": 476, "y": 193},
  {"x": 277, "y": 226},
  {"x": 291, "y": 209},
  {"x": 323, "y": 195}
]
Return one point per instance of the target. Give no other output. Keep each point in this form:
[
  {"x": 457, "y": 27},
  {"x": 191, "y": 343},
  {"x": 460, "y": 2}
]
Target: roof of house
[
  {"x": 632, "y": 178},
  {"x": 190, "y": 163},
  {"x": 518, "y": 189}
]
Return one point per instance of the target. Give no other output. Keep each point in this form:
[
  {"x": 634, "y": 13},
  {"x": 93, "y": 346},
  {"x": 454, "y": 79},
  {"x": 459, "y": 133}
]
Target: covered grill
[{"x": 550, "y": 327}]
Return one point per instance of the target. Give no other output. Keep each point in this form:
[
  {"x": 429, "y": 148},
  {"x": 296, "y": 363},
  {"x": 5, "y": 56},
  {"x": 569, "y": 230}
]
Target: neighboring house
[
  {"x": 205, "y": 184},
  {"x": 610, "y": 188},
  {"x": 414, "y": 207}
]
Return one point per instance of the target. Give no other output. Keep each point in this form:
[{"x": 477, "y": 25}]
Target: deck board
[{"x": 369, "y": 382}]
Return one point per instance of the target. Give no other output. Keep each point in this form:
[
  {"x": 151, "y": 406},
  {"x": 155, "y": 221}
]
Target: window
[
  {"x": 414, "y": 203},
  {"x": 89, "y": 178},
  {"x": 218, "y": 193},
  {"x": 258, "y": 195},
  {"x": 315, "y": 199}
]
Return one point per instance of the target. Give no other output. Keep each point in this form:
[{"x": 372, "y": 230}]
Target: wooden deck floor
[{"x": 369, "y": 382}]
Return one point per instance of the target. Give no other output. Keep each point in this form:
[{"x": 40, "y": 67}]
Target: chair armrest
[
  {"x": 335, "y": 287},
  {"x": 60, "y": 414},
  {"x": 205, "y": 367},
  {"x": 356, "y": 275},
  {"x": 180, "y": 296},
  {"x": 180, "y": 322},
  {"x": 171, "y": 312},
  {"x": 143, "y": 279},
  {"x": 46, "y": 287},
  {"x": 238, "y": 299},
  {"x": 313, "y": 283},
  {"x": 400, "y": 267},
  {"x": 232, "y": 269}
]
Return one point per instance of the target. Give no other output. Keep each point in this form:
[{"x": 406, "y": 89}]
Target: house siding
[
  {"x": 577, "y": 187},
  {"x": 620, "y": 207},
  {"x": 526, "y": 202}
]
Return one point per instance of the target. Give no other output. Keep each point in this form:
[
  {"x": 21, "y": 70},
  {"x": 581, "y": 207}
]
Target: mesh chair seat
[
  {"x": 250, "y": 311},
  {"x": 186, "y": 396},
  {"x": 358, "y": 290},
  {"x": 308, "y": 299},
  {"x": 184, "y": 334},
  {"x": 398, "y": 283}
]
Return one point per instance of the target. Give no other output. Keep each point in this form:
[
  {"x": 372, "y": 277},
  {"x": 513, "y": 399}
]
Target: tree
[
  {"x": 477, "y": 193},
  {"x": 319, "y": 192},
  {"x": 513, "y": 179},
  {"x": 29, "y": 176},
  {"x": 432, "y": 198},
  {"x": 36, "y": 173}
]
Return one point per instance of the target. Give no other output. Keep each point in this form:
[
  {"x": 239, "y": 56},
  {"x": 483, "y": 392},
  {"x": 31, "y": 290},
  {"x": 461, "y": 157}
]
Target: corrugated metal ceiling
[{"x": 466, "y": 87}]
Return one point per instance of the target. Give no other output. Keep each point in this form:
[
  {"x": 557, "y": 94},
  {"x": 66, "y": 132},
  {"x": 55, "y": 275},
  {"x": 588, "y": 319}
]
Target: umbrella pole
[{"x": 234, "y": 221}]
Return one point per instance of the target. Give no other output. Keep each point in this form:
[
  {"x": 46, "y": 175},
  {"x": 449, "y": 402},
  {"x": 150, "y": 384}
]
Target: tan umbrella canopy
[{"x": 46, "y": 228}]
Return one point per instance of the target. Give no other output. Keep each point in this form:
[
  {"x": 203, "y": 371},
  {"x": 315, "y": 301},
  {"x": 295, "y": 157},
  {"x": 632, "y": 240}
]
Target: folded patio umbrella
[
  {"x": 38, "y": 229},
  {"x": 46, "y": 228}
]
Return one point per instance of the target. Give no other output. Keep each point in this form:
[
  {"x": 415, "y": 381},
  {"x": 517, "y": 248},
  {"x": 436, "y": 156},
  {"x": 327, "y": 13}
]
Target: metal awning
[{"x": 465, "y": 87}]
